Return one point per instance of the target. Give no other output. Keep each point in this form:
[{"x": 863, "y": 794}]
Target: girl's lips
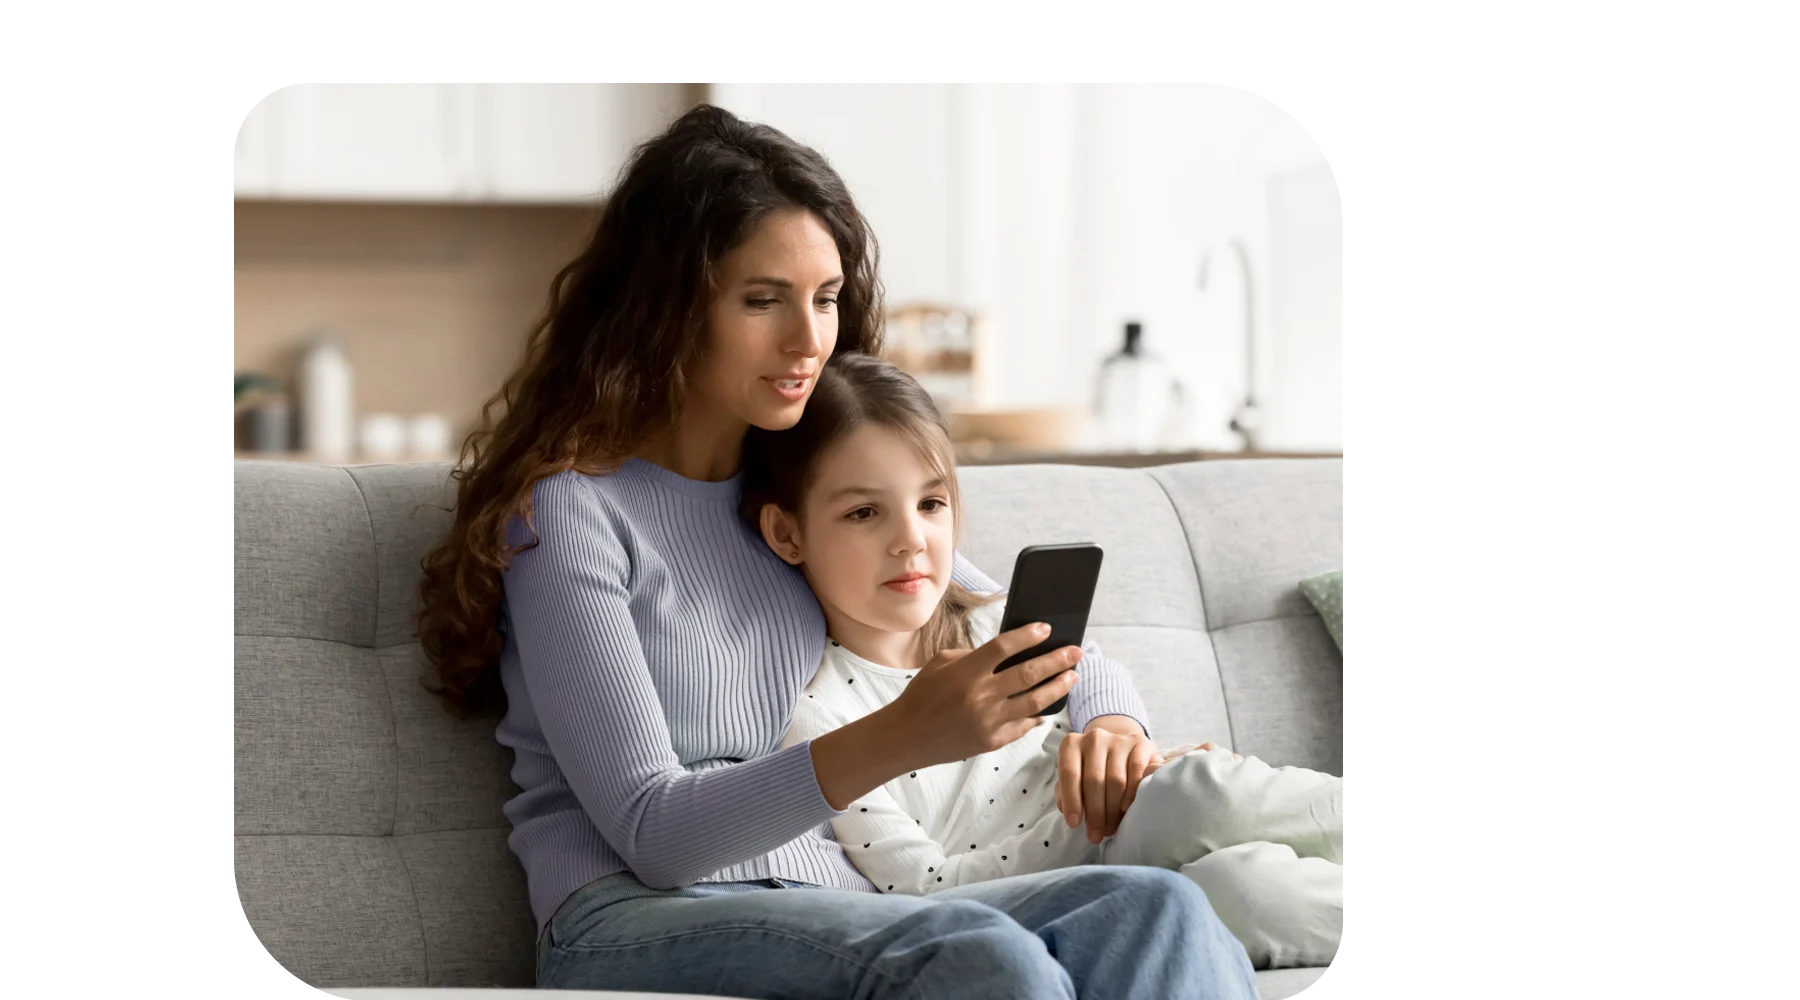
[{"x": 911, "y": 586}]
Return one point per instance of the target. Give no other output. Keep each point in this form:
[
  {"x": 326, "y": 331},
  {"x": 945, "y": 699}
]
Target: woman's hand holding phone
[{"x": 957, "y": 706}]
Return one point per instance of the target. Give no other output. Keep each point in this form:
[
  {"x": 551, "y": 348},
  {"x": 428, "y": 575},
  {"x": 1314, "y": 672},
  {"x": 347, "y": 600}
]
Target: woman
[{"x": 650, "y": 648}]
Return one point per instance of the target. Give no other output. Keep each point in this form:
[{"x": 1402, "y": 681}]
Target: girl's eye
[
  {"x": 861, "y": 514},
  {"x": 932, "y": 505}
]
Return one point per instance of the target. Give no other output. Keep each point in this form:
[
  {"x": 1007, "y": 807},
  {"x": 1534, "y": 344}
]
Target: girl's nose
[{"x": 911, "y": 537}]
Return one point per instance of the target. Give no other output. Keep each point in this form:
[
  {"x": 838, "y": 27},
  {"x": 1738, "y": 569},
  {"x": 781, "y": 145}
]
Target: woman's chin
[{"x": 778, "y": 418}]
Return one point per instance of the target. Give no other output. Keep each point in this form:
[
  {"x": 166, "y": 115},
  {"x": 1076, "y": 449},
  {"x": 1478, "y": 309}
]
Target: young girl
[{"x": 862, "y": 495}]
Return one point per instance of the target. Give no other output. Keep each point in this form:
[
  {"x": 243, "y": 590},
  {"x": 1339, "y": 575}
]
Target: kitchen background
[{"x": 1107, "y": 274}]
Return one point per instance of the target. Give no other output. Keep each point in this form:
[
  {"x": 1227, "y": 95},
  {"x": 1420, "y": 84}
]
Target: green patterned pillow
[{"x": 1326, "y": 592}]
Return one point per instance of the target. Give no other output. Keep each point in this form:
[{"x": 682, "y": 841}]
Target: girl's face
[
  {"x": 875, "y": 534},
  {"x": 772, "y": 323}
]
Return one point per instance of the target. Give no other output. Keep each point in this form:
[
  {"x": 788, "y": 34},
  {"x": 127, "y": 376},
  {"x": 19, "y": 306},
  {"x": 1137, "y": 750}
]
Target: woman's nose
[{"x": 806, "y": 337}]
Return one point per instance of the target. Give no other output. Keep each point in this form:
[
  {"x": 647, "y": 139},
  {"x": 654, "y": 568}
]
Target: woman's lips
[{"x": 791, "y": 389}]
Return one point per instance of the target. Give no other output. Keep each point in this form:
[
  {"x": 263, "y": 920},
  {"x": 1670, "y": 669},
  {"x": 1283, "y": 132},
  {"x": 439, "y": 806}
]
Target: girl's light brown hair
[
  {"x": 856, "y": 390},
  {"x": 606, "y": 367}
]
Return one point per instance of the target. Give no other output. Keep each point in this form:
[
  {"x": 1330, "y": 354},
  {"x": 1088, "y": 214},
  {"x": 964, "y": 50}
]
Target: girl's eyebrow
[{"x": 870, "y": 491}]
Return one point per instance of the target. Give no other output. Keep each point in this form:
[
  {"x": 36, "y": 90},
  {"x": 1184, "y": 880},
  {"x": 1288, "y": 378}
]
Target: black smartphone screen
[{"x": 1053, "y": 584}]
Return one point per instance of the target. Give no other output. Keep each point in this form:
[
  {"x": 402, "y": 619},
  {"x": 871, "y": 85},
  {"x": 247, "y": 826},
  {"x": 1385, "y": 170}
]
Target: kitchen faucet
[{"x": 1247, "y": 421}]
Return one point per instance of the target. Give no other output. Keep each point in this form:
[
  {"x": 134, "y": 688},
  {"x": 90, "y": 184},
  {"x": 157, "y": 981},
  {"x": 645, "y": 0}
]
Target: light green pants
[{"x": 1266, "y": 843}]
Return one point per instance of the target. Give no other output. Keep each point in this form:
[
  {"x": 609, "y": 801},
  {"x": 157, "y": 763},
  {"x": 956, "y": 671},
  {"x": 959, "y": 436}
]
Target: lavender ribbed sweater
[{"x": 654, "y": 650}]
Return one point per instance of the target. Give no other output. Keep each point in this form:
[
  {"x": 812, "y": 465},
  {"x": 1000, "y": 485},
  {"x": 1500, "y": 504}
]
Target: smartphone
[{"x": 1052, "y": 584}]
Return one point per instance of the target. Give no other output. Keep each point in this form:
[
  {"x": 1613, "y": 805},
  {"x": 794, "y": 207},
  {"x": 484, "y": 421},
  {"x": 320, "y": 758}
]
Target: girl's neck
[{"x": 899, "y": 650}]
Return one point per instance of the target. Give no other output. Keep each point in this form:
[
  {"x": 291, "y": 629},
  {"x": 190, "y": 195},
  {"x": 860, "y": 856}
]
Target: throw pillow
[{"x": 1326, "y": 592}]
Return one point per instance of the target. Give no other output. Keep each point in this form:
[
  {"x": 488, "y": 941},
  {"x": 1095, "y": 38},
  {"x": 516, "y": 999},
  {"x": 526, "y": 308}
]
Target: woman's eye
[
  {"x": 861, "y": 514},
  {"x": 827, "y": 303},
  {"x": 759, "y": 303}
]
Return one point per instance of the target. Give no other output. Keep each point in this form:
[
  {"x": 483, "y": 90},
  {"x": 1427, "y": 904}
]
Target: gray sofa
[{"x": 371, "y": 849}]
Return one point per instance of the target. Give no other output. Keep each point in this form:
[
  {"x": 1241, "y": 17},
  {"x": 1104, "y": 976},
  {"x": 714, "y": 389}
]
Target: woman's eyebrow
[{"x": 785, "y": 283}]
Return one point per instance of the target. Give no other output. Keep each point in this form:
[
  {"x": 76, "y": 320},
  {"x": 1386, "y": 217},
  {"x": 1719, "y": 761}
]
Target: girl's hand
[
  {"x": 957, "y": 707},
  {"x": 1098, "y": 773}
]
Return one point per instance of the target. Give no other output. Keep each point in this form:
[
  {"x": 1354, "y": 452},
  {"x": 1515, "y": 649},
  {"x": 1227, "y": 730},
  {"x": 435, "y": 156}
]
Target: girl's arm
[
  {"x": 1105, "y": 687},
  {"x": 585, "y": 673}
]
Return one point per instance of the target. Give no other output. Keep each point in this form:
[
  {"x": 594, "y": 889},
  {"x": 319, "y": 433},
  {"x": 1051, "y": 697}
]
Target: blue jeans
[{"x": 1090, "y": 931}]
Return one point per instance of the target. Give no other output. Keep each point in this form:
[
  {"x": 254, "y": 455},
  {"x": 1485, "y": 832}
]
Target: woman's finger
[
  {"x": 1023, "y": 677},
  {"x": 1033, "y": 702},
  {"x": 1068, "y": 779},
  {"x": 1137, "y": 768},
  {"x": 1093, "y": 785}
]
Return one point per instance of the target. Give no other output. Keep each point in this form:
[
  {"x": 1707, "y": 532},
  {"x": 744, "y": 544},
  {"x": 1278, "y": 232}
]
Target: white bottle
[
  {"x": 1136, "y": 393},
  {"x": 327, "y": 416}
]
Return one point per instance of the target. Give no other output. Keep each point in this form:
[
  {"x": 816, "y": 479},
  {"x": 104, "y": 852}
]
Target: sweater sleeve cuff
[
  {"x": 1105, "y": 691},
  {"x": 782, "y": 801},
  {"x": 807, "y": 796}
]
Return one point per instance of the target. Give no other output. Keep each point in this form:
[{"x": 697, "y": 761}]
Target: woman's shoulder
[{"x": 569, "y": 502}]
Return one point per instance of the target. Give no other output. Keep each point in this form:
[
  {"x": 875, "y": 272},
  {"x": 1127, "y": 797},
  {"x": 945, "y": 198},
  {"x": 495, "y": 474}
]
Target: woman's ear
[{"x": 782, "y": 533}]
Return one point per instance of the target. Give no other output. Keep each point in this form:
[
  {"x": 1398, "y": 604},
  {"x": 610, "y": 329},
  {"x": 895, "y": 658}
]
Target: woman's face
[
  {"x": 772, "y": 323},
  {"x": 876, "y": 533}
]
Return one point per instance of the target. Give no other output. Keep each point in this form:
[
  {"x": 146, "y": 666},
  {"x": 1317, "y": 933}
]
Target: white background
[{"x": 1569, "y": 330}]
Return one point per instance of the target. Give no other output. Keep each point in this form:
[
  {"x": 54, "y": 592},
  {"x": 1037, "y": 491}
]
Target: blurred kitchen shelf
[
  {"x": 965, "y": 455},
  {"x": 305, "y": 458},
  {"x": 977, "y": 455}
]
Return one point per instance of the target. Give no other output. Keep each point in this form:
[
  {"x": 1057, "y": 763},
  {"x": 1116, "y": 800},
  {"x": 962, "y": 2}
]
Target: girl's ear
[{"x": 782, "y": 533}]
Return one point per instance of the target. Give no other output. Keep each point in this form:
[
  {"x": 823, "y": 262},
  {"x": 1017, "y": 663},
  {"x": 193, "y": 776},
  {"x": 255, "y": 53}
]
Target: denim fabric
[{"x": 1093, "y": 932}]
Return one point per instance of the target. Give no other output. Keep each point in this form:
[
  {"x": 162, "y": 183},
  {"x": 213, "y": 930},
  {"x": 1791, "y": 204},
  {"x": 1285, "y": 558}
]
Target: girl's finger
[
  {"x": 1137, "y": 767},
  {"x": 1093, "y": 786},
  {"x": 1068, "y": 779},
  {"x": 1115, "y": 785}
]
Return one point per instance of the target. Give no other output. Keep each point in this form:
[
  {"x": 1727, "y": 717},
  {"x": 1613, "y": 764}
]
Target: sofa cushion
[{"x": 371, "y": 847}]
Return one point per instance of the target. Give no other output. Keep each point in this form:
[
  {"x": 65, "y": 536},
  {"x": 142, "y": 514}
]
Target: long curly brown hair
[{"x": 605, "y": 369}]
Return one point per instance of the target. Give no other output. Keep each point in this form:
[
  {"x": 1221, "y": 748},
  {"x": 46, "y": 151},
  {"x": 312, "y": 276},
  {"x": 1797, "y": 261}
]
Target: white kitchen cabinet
[
  {"x": 566, "y": 142},
  {"x": 252, "y": 151},
  {"x": 447, "y": 142},
  {"x": 402, "y": 141}
]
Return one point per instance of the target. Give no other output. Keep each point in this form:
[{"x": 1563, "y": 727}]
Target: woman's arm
[
  {"x": 886, "y": 843},
  {"x": 1105, "y": 687},
  {"x": 888, "y": 846},
  {"x": 603, "y": 720}
]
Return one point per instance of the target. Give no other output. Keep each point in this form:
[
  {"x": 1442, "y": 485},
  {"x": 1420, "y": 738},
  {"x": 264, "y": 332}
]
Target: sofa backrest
[{"x": 371, "y": 847}]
